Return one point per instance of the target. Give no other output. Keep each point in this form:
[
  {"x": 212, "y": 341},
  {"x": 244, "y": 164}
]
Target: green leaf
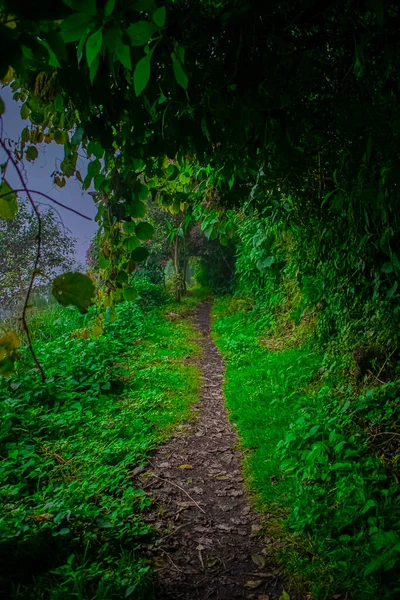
[
  {"x": 32, "y": 153},
  {"x": 94, "y": 168},
  {"x": 143, "y": 192},
  {"x": 144, "y": 231},
  {"x": 137, "y": 210},
  {"x": 140, "y": 254},
  {"x": 2, "y": 107},
  {"x": 93, "y": 69},
  {"x": 103, "y": 261},
  {"x": 74, "y": 289},
  {"x": 141, "y": 74},
  {"x": 59, "y": 103},
  {"x": 53, "y": 60},
  {"x": 123, "y": 54},
  {"x": 8, "y": 201},
  {"x": 129, "y": 294},
  {"x": 25, "y": 111},
  {"x": 96, "y": 149},
  {"x": 109, "y": 8},
  {"x": 387, "y": 268},
  {"x": 159, "y": 16},
  {"x": 284, "y": 596},
  {"x": 131, "y": 243},
  {"x": 93, "y": 47},
  {"x": 179, "y": 73},
  {"x": 129, "y": 227},
  {"x": 140, "y": 32},
  {"x": 77, "y": 136},
  {"x": 76, "y": 26}
]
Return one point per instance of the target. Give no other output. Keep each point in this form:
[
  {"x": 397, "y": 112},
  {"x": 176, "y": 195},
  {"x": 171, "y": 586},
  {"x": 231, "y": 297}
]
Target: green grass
[
  {"x": 70, "y": 522},
  {"x": 308, "y": 460}
]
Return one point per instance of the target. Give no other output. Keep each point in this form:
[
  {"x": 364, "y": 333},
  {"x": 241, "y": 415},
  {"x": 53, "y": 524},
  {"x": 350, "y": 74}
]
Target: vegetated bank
[
  {"x": 312, "y": 384},
  {"x": 70, "y": 520}
]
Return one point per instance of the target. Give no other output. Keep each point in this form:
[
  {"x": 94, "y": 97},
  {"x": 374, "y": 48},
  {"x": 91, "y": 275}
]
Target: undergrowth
[
  {"x": 310, "y": 459},
  {"x": 70, "y": 521}
]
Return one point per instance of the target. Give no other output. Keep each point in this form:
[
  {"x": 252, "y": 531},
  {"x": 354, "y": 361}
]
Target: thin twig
[
  {"x": 36, "y": 263},
  {"x": 384, "y": 433},
  {"x": 180, "y": 488},
  {"x": 48, "y": 198}
]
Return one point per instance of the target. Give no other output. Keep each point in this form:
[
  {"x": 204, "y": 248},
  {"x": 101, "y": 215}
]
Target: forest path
[{"x": 209, "y": 547}]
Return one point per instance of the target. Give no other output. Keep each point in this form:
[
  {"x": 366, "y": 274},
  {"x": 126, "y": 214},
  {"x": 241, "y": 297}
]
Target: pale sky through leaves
[{"x": 38, "y": 177}]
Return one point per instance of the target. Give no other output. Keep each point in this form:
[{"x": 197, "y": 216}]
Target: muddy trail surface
[{"x": 209, "y": 544}]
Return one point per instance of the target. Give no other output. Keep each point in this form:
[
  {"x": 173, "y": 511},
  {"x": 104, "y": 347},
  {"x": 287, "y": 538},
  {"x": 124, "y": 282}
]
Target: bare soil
[{"x": 209, "y": 544}]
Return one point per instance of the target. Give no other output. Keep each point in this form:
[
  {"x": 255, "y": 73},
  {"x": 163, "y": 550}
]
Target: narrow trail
[{"x": 209, "y": 545}]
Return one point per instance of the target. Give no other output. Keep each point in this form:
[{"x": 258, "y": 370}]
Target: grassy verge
[
  {"x": 70, "y": 519},
  {"x": 308, "y": 456}
]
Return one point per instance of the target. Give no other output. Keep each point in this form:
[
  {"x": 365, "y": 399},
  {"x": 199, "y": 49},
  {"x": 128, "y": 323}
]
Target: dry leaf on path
[
  {"x": 252, "y": 585},
  {"x": 258, "y": 559}
]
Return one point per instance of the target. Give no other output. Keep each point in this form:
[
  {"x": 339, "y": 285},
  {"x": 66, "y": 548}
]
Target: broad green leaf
[
  {"x": 77, "y": 136},
  {"x": 129, "y": 227},
  {"x": 53, "y": 60},
  {"x": 109, "y": 8},
  {"x": 74, "y": 289},
  {"x": 141, "y": 74},
  {"x": 159, "y": 16},
  {"x": 129, "y": 294},
  {"x": 2, "y": 107},
  {"x": 131, "y": 243},
  {"x": 8, "y": 201},
  {"x": 284, "y": 596},
  {"x": 93, "y": 46},
  {"x": 140, "y": 254},
  {"x": 123, "y": 54},
  {"x": 144, "y": 231},
  {"x": 25, "y": 111},
  {"x": 140, "y": 32},
  {"x": 59, "y": 103},
  {"x": 96, "y": 149},
  {"x": 103, "y": 261},
  {"x": 179, "y": 72},
  {"x": 32, "y": 153},
  {"x": 60, "y": 137},
  {"x": 137, "y": 210},
  {"x": 143, "y": 192},
  {"x": 94, "y": 168},
  {"x": 73, "y": 28},
  {"x": 93, "y": 69}
]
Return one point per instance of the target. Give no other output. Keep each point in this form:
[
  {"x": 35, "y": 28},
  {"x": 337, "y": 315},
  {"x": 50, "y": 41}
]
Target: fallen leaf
[
  {"x": 263, "y": 597},
  {"x": 252, "y": 585},
  {"x": 185, "y": 467},
  {"x": 258, "y": 559},
  {"x": 200, "y": 547}
]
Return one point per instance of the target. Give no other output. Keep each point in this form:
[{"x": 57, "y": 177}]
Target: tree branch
[
  {"x": 37, "y": 259},
  {"x": 25, "y": 190}
]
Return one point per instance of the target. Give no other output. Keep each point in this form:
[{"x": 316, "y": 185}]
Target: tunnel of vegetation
[{"x": 272, "y": 129}]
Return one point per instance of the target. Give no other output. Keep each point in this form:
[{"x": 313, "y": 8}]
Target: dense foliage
[{"x": 69, "y": 515}]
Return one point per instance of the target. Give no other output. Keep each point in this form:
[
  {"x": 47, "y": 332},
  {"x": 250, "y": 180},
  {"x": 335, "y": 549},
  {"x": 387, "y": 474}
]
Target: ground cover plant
[
  {"x": 310, "y": 461},
  {"x": 70, "y": 513}
]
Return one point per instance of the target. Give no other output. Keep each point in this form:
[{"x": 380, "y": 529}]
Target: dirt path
[{"x": 209, "y": 545}]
